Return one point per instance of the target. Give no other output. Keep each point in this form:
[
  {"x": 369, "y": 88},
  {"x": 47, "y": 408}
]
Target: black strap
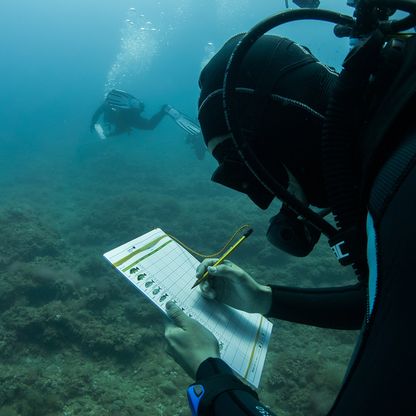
[
  {"x": 398, "y": 83},
  {"x": 219, "y": 384},
  {"x": 339, "y": 156},
  {"x": 391, "y": 177}
]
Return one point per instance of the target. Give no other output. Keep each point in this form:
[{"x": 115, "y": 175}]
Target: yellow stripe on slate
[
  {"x": 254, "y": 347},
  {"x": 143, "y": 248},
  {"x": 147, "y": 255}
]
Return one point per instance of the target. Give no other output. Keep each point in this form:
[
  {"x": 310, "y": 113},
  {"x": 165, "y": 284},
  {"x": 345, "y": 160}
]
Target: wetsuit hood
[{"x": 282, "y": 96}]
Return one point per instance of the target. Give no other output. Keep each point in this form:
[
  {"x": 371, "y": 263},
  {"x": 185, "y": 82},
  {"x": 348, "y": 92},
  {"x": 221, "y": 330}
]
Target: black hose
[
  {"x": 340, "y": 137},
  {"x": 230, "y": 83},
  {"x": 404, "y": 24},
  {"x": 369, "y": 12},
  {"x": 408, "y": 6}
]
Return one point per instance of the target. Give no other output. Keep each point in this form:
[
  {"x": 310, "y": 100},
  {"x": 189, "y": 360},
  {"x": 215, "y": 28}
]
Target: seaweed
[{"x": 76, "y": 339}]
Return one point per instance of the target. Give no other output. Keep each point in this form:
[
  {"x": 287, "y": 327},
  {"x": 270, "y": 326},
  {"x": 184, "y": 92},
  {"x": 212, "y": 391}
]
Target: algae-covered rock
[{"x": 25, "y": 237}]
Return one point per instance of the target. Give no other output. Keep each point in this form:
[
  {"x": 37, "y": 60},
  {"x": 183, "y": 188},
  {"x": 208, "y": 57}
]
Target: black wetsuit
[
  {"x": 121, "y": 121},
  {"x": 381, "y": 379}
]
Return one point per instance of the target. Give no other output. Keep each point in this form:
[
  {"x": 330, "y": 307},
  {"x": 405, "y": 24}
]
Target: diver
[
  {"x": 121, "y": 112},
  {"x": 292, "y": 128},
  {"x": 196, "y": 142},
  {"x": 304, "y": 4}
]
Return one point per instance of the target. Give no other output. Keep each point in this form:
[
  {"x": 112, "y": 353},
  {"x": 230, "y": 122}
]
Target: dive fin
[
  {"x": 120, "y": 99},
  {"x": 189, "y": 126},
  {"x": 183, "y": 121}
]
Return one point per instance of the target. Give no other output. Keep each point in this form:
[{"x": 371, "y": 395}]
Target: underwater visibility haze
[{"x": 75, "y": 338}]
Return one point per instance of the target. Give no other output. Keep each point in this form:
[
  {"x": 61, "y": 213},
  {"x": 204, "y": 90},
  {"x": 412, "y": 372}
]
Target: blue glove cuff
[{"x": 195, "y": 394}]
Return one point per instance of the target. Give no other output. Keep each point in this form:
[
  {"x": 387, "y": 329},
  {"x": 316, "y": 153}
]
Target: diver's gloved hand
[
  {"x": 228, "y": 283},
  {"x": 189, "y": 343}
]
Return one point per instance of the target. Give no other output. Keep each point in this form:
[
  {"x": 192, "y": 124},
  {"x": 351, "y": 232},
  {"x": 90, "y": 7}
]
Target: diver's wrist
[{"x": 264, "y": 299}]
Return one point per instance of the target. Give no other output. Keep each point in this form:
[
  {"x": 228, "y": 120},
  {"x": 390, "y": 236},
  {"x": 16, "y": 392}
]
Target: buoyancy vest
[{"x": 370, "y": 106}]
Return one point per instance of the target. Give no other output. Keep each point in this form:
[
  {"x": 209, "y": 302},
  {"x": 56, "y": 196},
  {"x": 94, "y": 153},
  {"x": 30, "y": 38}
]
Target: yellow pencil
[{"x": 224, "y": 256}]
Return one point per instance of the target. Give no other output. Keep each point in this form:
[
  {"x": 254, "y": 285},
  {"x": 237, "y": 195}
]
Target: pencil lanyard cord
[{"x": 216, "y": 254}]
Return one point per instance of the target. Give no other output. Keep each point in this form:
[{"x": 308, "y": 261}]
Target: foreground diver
[
  {"x": 359, "y": 160},
  {"x": 121, "y": 112}
]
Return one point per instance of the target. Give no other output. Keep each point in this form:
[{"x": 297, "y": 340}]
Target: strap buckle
[{"x": 348, "y": 246}]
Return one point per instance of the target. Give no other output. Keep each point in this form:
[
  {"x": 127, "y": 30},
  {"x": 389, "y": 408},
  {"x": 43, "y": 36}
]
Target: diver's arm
[
  {"x": 337, "y": 307},
  {"x": 217, "y": 390},
  {"x": 224, "y": 394},
  {"x": 149, "y": 124},
  {"x": 96, "y": 115}
]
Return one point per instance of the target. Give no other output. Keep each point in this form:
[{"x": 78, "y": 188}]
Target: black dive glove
[{"x": 215, "y": 377}]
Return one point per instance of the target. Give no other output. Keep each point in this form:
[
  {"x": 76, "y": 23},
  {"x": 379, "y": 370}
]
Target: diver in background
[
  {"x": 196, "y": 142},
  {"x": 121, "y": 112},
  {"x": 283, "y": 125},
  {"x": 304, "y": 4}
]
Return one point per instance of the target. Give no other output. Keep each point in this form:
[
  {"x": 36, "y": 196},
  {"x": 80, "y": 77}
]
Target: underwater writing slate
[{"x": 163, "y": 270}]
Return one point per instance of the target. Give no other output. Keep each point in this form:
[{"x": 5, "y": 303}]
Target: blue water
[
  {"x": 76, "y": 340},
  {"x": 57, "y": 55}
]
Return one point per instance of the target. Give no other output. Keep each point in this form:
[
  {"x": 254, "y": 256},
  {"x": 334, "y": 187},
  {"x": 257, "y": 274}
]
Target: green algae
[{"x": 76, "y": 339}]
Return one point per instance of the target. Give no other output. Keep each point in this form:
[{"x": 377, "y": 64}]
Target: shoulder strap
[
  {"x": 340, "y": 166},
  {"x": 393, "y": 107},
  {"x": 371, "y": 108},
  {"x": 391, "y": 175}
]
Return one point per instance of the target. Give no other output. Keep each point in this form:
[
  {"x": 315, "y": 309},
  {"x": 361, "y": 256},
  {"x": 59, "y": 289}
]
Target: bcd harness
[{"x": 371, "y": 106}]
